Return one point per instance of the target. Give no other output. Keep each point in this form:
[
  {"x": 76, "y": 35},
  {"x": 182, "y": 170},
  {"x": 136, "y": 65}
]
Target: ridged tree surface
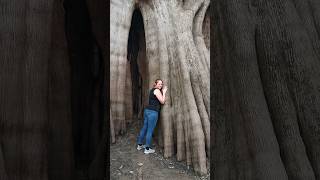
[
  {"x": 35, "y": 116},
  {"x": 266, "y": 79},
  {"x": 41, "y": 61},
  {"x": 177, "y": 53}
]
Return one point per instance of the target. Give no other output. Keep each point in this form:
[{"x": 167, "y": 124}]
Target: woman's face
[{"x": 159, "y": 84}]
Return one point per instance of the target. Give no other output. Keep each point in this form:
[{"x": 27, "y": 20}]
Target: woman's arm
[{"x": 161, "y": 97}]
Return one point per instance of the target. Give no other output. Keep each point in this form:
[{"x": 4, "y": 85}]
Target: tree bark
[
  {"x": 35, "y": 123},
  {"x": 175, "y": 52},
  {"x": 119, "y": 31},
  {"x": 266, "y": 90}
]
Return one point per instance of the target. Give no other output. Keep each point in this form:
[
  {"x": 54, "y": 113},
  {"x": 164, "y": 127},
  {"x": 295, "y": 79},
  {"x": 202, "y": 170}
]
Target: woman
[{"x": 157, "y": 96}]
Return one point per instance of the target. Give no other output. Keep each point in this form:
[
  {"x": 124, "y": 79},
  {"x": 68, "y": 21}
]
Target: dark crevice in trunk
[
  {"x": 137, "y": 57},
  {"x": 87, "y": 85}
]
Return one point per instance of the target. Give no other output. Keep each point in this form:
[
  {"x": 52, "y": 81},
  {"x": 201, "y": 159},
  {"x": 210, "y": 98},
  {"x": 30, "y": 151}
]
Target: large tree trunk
[
  {"x": 40, "y": 136},
  {"x": 36, "y": 141},
  {"x": 266, "y": 80},
  {"x": 120, "y": 18},
  {"x": 177, "y": 53},
  {"x": 60, "y": 143}
]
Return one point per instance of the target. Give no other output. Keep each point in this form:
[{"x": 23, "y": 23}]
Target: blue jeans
[{"x": 149, "y": 123}]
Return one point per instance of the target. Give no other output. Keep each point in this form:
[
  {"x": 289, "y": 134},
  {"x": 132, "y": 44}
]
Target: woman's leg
[
  {"x": 144, "y": 128},
  {"x": 152, "y": 121}
]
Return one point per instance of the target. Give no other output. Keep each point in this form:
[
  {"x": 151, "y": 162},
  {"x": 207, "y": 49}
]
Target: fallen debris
[{"x": 140, "y": 164}]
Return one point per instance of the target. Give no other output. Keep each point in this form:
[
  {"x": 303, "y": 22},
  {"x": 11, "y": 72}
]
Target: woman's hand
[{"x": 164, "y": 89}]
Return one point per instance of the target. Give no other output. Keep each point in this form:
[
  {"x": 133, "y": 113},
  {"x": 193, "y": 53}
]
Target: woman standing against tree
[{"x": 151, "y": 113}]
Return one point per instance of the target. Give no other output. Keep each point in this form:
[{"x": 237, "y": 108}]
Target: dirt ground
[{"x": 126, "y": 162}]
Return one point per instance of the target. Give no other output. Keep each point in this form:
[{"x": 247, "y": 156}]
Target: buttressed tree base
[{"x": 168, "y": 40}]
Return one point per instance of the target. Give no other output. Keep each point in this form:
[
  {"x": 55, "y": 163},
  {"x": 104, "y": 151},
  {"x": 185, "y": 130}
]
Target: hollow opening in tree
[{"x": 137, "y": 78}]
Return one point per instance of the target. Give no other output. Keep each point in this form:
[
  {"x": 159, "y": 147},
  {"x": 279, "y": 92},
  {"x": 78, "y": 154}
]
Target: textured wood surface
[
  {"x": 266, "y": 107},
  {"x": 175, "y": 52}
]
